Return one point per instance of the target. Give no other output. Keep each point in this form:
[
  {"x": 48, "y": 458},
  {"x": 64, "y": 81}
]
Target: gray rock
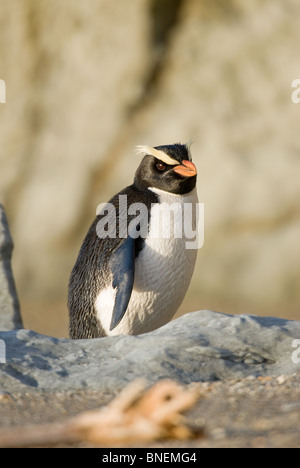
[
  {"x": 199, "y": 346},
  {"x": 10, "y": 317}
]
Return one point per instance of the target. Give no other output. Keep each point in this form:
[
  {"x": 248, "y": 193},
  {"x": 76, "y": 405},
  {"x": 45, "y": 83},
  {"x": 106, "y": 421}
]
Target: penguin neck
[{"x": 163, "y": 195}]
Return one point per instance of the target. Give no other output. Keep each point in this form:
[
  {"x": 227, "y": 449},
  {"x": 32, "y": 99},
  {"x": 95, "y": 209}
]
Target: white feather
[{"x": 158, "y": 154}]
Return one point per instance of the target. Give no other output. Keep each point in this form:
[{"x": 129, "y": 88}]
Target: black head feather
[{"x": 150, "y": 175}]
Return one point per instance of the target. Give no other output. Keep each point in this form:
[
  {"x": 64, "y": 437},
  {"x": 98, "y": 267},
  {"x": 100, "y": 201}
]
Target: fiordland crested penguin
[{"x": 132, "y": 282}]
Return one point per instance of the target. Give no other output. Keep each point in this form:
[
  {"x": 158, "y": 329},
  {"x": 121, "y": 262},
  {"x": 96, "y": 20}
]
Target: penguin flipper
[{"x": 122, "y": 265}]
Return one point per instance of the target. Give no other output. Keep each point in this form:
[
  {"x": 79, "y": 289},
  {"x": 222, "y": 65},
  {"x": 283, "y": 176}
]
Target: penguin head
[{"x": 167, "y": 167}]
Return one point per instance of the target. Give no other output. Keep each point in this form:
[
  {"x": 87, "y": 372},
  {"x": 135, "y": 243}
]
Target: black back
[{"x": 91, "y": 273}]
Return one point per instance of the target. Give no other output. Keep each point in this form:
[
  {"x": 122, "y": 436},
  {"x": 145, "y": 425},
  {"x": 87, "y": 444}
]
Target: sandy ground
[{"x": 252, "y": 412}]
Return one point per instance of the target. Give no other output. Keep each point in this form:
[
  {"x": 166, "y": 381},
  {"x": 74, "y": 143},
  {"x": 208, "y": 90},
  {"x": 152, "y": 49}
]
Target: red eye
[{"x": 160, "y": 166}]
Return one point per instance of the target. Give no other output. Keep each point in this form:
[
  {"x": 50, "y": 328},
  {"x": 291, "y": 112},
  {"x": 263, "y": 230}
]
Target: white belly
[{"x": 163, "y": 271}]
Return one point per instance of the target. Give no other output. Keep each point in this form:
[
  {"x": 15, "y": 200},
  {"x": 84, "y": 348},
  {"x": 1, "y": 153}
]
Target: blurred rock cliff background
[{"x": 87, "y": 81}]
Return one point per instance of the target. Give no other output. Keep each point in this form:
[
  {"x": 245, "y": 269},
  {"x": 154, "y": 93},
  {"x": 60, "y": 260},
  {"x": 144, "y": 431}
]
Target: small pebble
[
  {"x": 4, "y": 396},
  {"x": 281, "y": 379}
]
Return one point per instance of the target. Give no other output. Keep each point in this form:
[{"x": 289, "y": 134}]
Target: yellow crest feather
[{"x": 158, "y": 154}]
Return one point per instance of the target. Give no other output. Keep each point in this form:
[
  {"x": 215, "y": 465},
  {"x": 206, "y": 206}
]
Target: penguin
[{"x": 133, "y": 282}]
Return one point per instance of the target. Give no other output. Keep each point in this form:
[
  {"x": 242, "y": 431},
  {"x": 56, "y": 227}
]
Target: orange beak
[{"x": 186, "y": 169}]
